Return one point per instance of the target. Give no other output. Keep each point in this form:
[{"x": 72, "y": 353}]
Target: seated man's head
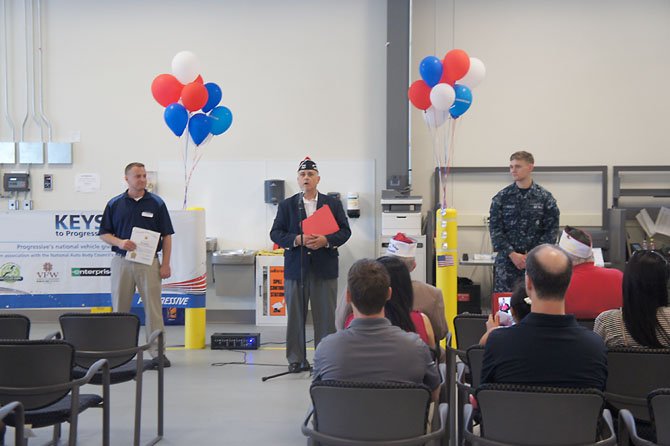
[
  {"x": 577, "y": 245},
  {"x": 548, "y": 273},
  {"x": 368, "y": 287}
]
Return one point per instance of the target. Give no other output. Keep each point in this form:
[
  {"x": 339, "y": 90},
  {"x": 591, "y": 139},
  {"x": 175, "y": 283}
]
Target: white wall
[
  {"x": 301, "y": 78},
  {"x": 574, "y": 82}
]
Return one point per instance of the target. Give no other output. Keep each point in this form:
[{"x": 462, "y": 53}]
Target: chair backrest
[
  {"x": 101, "y": 332},
  {"x": 469, "y": 328},
  {"x": 14, "y": 326},
  {"x": 659, "y": 407},
  {"x": 29, "y": 364},
  {"x": 475, "y": 355},
  {"x": 632, "y": 373},
  {"x": 529, "y": 415},
  {"x": 380, "y": 411}
]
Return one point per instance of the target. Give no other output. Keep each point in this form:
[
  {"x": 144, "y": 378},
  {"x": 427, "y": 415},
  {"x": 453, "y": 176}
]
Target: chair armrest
[
  {"x": 11, "y": 407},
  {"x": 336, "y": 441},
  {"x": 154, "y": 336},
  {"x": 628, "y": 430},
  {"x": 19, "y": 420},
  {"x": 612, "y": 439},
  {"x": 92, "y": 371},
  {"x": 53, "y": 335}
]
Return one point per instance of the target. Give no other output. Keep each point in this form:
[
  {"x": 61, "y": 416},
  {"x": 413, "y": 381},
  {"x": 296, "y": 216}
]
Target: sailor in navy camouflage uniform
[{"x": 523, "y": 215}]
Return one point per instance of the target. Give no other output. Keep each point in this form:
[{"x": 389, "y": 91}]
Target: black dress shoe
[
  {"x": 294, "y": 367},
  {"x": 304, "y": 366},
  {"x": 166, "y": 362}
]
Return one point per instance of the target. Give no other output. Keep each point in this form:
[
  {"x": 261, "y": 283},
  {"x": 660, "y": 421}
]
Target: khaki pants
[{"x": 126, "y": 276}]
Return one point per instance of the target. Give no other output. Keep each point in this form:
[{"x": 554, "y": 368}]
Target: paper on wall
[
  {"x": 663, "y": 221},
  {"x": 646, "y": 222}
]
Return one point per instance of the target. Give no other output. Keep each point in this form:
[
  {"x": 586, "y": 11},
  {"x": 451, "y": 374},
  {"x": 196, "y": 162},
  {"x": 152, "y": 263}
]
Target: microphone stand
[{"x": 301, "y": 211}]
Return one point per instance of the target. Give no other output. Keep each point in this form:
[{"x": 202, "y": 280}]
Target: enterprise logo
[{"x": 91, "y": 272}]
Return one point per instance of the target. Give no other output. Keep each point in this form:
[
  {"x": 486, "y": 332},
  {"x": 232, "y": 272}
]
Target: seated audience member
[
  {"x": 519, "y": 308},
  {"x": 547, "y": 347},
  {"x": 592, "y": 289},
  {"x": 372, "y": 349},
  {"x": 644, "y": 320},
  {"x": 398, "y": 308},
  {"x": 427, "y": 299}
]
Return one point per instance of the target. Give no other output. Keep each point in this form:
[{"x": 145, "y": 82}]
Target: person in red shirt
[{"x": 592, "y": 289}]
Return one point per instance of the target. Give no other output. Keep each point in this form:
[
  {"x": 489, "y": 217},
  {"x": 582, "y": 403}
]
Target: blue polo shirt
[{"x": 122, "y": 213}]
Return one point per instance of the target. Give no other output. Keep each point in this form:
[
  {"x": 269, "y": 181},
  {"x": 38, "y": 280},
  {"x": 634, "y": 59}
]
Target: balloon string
[
  {"x": 185, "y": 158},
  {"x": 434, "y": 133},
  {"x": 452, "y": 148}
]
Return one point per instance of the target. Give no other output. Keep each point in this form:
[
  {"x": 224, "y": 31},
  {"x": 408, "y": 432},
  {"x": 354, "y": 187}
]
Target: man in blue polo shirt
[{"x": 137, "y": 207}]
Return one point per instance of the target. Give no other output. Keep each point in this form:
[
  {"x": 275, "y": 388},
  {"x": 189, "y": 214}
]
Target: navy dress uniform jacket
[{"x": 321, "y": 262}]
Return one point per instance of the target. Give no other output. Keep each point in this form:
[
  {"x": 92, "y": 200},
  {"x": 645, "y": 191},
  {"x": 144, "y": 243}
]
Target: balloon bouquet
[
  {"x": 183, "y": 93},
  {"x": 444, "y": 94}
]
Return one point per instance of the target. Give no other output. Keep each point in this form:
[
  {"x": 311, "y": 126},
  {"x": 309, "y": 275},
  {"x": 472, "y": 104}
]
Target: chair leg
[
  {"x": 56, "y": 435},
  {"x": 138, "y": 401},
  {"x": 161, "y": 395}
]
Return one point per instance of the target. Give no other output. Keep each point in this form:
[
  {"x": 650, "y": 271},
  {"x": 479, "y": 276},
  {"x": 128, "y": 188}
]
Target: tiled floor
[{"x": 209, "y": 398}]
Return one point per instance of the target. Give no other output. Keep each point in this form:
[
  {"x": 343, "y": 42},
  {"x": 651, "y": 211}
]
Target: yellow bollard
[
  {"x": 195, "y": 323},
  {"x": 194, "y": 328},
  {"x": 101, "y": 309},
  {"x": 446, "y": 270}
]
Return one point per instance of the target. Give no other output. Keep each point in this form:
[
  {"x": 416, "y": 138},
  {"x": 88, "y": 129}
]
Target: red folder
[{"x": 321, "y": 222}]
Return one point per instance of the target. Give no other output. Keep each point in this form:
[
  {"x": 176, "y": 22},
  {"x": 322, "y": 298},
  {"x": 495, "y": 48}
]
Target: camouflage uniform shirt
[{"x": 519, "y": 221}]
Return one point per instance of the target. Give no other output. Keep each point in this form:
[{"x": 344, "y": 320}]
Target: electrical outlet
[
  {"x": 27, "y": 205},
  {"x": 13, "y": 205},
  {"x": 48, "y": 181}
]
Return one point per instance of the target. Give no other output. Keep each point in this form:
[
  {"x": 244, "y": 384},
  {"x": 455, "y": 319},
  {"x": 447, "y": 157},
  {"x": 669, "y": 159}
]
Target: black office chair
[
  {"x": 632, "y": 373},
  {"x": 468, "y": 379},
  {"x": 14, "y": 326},
  {"x": 515, "y": 415},
  {"x": 14, "y": 408},
  {"x": 371, "y": 413},
  {"x": 39, "y": 375},
  {"x": 114, "y": 336},
  {"x": 658, "y": 403},
  {"x": 468, "y": 328}
]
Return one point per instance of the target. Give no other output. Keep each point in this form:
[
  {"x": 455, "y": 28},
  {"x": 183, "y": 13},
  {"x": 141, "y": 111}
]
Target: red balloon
[
  {"x": 166, "y": 89},
  {"x": 194, "y": 96},
  {"x": 419, "y": 95},
  {"x": 199, "y": 79},
  {"x": 454, "y": 66}
]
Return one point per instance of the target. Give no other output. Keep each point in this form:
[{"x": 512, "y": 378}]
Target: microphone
[{"x": 301, "y": 203}]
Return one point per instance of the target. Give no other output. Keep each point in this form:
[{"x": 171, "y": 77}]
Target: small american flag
[{"x": 444, "y": 261}]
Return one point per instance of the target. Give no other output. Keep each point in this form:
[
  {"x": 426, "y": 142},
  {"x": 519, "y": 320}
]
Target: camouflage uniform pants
[{"x": 506, "y": 275}]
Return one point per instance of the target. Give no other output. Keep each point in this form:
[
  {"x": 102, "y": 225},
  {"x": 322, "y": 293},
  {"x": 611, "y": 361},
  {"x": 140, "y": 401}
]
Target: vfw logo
[{"x": 47, "y": 275}]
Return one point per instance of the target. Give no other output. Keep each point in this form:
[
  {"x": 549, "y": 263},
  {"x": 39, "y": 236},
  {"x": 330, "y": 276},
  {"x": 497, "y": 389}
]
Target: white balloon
[
  {"x": 185, "y": 66},
  {"x": 475, "y": 74},
  {"x": 442, "y": 96},
  {"x": 435, "y": 118}
]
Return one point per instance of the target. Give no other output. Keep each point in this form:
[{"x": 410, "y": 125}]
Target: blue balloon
[
  {"x": 462, "y": 102},
  {"x": 431, "y": 70},
  {"x": 176, "y": 117},
  {"x": 198, "y": 127},
  {"x": 222, "y": 118},
  {"x": 213, "y": 98}
]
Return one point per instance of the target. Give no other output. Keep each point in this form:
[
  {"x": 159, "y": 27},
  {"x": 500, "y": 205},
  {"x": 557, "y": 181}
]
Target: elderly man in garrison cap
[
  {"x": 310, "y": 263},
  {"x": 427, "y": 298},
  {"x": 592, "y": 289}
]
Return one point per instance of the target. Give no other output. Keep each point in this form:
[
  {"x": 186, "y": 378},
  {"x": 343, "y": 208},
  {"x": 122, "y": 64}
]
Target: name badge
[{"x": 148, "y": 214}]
